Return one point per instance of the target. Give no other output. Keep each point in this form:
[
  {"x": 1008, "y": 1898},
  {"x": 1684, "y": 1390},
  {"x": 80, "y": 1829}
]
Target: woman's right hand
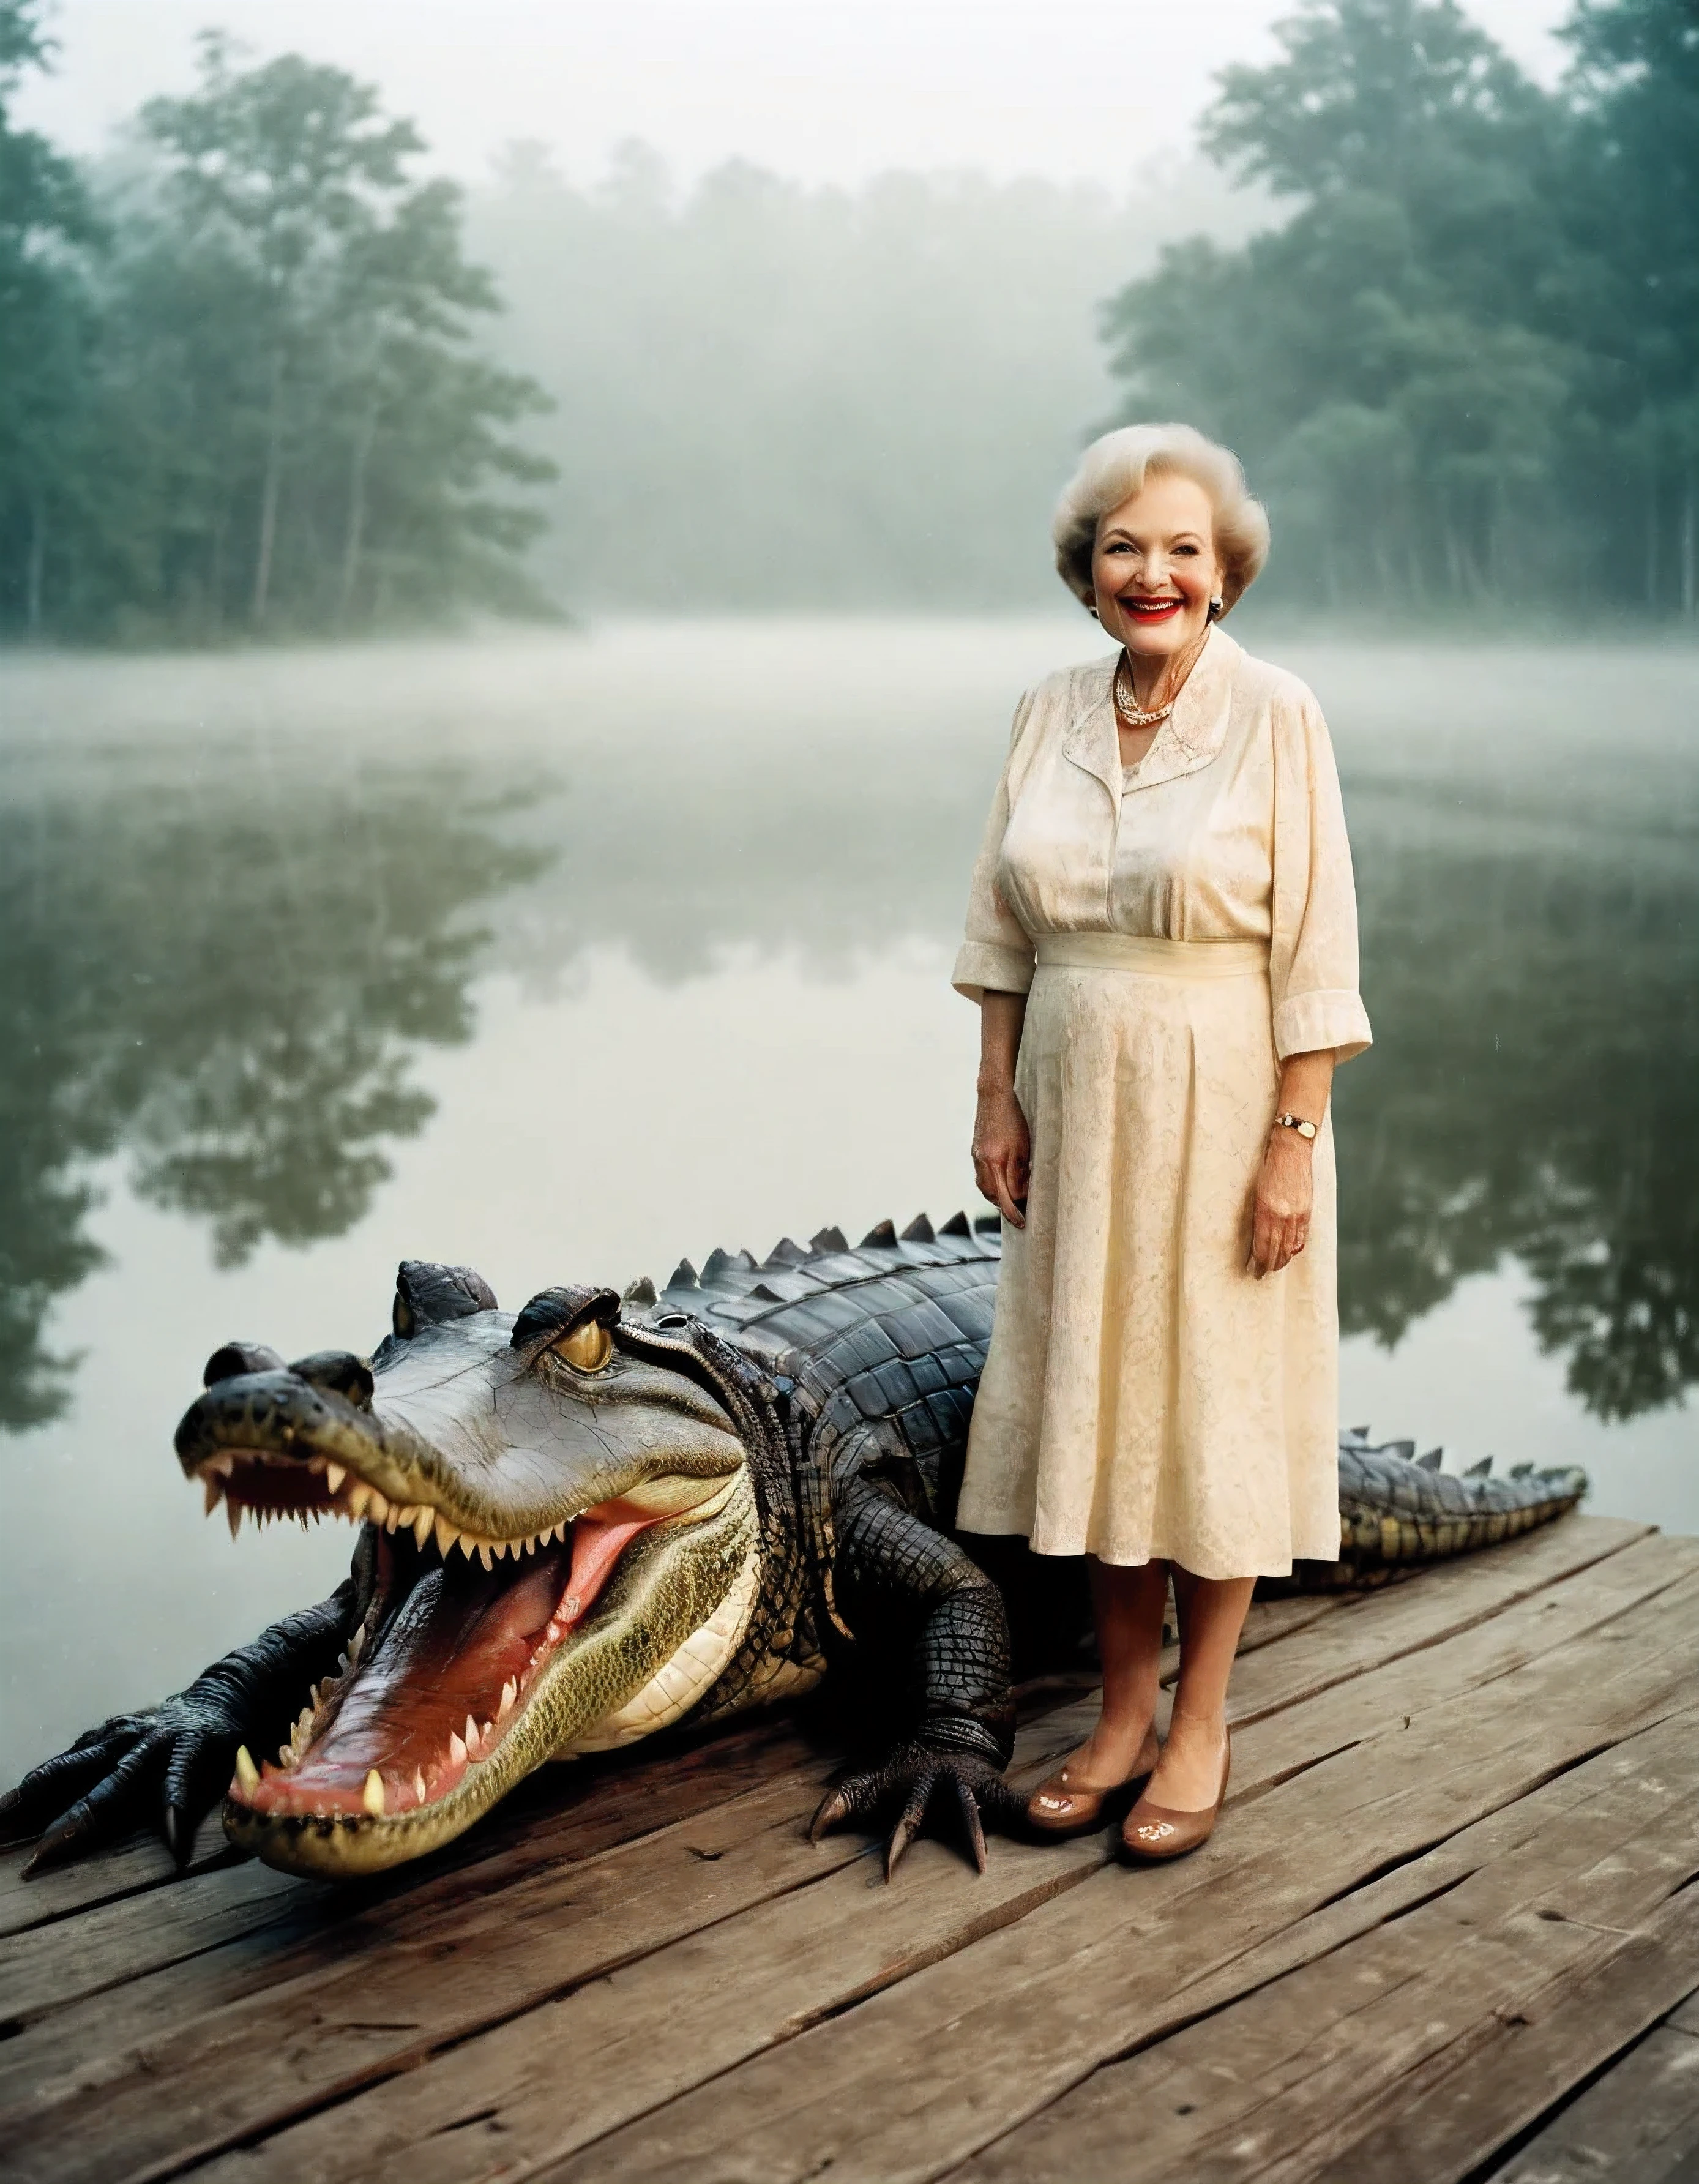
[{"x": 1002, "y": 1153}]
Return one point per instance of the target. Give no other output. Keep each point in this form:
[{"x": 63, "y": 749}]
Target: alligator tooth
[
  {"x": 247, "y": 1773},
  {"x": 473, "y": 1739},
  {"x": 334, "y": 1475},
  {"x": 446, "y": 1536},
  {"x": 484, "y": 1555},
  {"x": 390, "y": 1516},
  {"x": 466, "y": 1545},
  {"x": 380, "y": 1508},
  {"x": 233, "y": 1510},
  {"x": 358, "y": 1495},
  {"x": 223, "y": 1465},
  {"x": 286, "y": 1754},
  {"x": 421, "y": 1527},
  {"x": 510, "y": 1692},
  {"x": 358, "y": 1646},
  {"x": 214, "y": 1487},
  {"x": 457, "y": 1751},
  {"x": 371, "y": 1796},
  {"x": 419, "y": 1785}
]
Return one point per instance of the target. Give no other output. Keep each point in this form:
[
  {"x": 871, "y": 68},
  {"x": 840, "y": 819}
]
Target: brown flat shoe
[
  {"x": 1152, "y": 1832},
  {"x": 1056, "y": 1809}
]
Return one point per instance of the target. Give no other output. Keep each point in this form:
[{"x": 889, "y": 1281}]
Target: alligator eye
[{"x": 586, "y": 1348}]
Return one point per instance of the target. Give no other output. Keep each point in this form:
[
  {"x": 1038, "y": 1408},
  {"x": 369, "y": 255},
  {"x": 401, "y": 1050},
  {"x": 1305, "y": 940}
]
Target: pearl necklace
[
  {"x": 1128, "y": 710},
  {"x": 1129, "y": 707}
]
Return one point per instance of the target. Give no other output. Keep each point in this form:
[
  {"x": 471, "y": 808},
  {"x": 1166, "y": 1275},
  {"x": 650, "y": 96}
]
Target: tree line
[
  {"x": 253, "y": 379},
  {"x": 239, "y": 385},
  {"x": 1465, "y": 369}
]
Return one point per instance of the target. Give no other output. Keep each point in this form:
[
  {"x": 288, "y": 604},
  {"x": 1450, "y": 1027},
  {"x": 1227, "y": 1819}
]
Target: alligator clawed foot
[
  {"x": 916, "y": 1773},
  {"x": 167, "y": 1764}
]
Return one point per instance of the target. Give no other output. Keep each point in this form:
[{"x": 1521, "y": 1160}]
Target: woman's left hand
[{"x": 1285, "y": 1191}]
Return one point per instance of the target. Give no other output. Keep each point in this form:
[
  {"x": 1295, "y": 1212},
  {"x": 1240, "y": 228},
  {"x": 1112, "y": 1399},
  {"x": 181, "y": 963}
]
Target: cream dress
[{"x": 1179, "y": 930}]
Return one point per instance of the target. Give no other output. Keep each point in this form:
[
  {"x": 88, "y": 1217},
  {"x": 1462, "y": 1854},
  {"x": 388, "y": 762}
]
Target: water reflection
[
  {"x": 1531, "y": 1090},
  {"x": 223, "y": 972},
  {"x": 222, "y": 953}
]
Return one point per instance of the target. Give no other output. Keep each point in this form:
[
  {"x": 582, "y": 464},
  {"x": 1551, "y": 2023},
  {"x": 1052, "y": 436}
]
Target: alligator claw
[
  {"x": 168, "y": 1760},
  {"x": 915, "y": 1772}
]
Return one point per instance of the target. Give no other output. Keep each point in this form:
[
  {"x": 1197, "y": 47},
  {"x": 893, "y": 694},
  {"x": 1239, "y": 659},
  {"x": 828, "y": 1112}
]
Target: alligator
[{"x": 581, "y": 1525}]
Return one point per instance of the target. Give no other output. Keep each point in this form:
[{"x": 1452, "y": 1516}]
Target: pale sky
[{"x": 822, "y": 90}]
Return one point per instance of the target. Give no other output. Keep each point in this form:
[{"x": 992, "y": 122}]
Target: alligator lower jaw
[{"x": 459, "y": 1683}]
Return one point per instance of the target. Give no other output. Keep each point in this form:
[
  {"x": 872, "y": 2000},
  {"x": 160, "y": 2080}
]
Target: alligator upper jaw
[{"x": 270, "y": 1445}]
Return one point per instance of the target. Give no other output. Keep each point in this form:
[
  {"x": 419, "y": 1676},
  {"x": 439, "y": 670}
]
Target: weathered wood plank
[
  {"x": 143, "y": 1863},
  {"x": 556, "y": 1817},
  {"x": 1557, "y": 2039},
  {"x": 1299, "y": 2071},
  {"x": 127, "y": 1869},
  {"x": 919, "y": 2077},
  {"x": 495, "y": 2103},
  {"x": 1637, "y": 2122},
  {"x": 108, "y": 1946},
  {"x": 462, "y": 1977}
]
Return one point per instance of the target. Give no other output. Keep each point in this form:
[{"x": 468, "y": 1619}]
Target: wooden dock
[{"x": 1447, "y": 1929}]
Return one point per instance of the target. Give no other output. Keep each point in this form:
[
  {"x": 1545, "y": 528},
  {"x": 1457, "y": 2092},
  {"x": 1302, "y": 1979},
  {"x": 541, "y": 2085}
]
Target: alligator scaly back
[{"x": 894, "y": 1331}]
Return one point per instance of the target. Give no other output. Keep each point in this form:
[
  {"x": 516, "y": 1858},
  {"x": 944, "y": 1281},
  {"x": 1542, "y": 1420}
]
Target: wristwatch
[{"x": 1296, "y": 1122}]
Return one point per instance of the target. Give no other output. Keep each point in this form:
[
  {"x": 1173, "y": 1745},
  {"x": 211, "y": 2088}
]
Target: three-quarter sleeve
[
  {"x": 1312, "y": 955},
  {"x": 996, "y": 954}
]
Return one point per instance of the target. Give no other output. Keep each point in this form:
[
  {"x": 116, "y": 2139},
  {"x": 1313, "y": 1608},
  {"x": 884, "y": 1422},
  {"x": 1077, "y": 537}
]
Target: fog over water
[{"x": 569, "y": 954}]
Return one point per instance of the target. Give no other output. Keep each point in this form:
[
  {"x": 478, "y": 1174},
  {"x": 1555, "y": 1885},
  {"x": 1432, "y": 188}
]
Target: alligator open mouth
[{"x": 477, "y": 1656}]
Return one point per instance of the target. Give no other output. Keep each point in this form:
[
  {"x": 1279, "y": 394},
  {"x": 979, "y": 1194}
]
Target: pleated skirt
[{"x": 1145, "y": 1397}]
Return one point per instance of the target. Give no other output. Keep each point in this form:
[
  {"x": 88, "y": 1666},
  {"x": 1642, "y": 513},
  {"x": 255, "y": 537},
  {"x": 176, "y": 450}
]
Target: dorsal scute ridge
[
  {"x": 955, "y": 1226},
  {"x": 785, "y": 1253},
  {"x": 881, "y": 1237},
  {"x": 920, "y": 1230},
  {"x": 826, "y": 1242}
]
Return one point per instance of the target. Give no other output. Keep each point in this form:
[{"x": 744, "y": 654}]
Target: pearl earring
[{"x": 1216, "y": 609}]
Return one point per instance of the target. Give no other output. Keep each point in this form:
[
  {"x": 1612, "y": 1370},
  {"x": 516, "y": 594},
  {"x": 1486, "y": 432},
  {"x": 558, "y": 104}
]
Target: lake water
[{"x": 568, "y": 955}]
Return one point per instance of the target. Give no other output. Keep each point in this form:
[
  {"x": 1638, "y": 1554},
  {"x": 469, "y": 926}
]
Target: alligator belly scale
[{"x": 581, "y": 1524}]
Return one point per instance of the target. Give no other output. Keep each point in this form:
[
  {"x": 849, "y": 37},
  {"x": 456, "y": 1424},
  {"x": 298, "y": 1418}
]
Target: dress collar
[{"x": 1191, "y": 737}]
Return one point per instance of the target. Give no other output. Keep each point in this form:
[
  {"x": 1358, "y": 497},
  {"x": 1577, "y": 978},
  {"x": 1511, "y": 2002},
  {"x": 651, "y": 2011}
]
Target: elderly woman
[{"x": 1161, "y": 937}]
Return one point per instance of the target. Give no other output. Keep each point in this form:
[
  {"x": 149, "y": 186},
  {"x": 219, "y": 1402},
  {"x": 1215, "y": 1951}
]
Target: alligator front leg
[
  {"x": 964, "y": 1717},
  {"x": 178, "y": 1755}
]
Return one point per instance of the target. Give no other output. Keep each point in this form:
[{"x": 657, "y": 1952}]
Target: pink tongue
[{"x": 596, "y": 1547}]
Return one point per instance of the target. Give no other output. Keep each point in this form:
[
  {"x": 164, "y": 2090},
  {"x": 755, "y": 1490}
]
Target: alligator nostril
[
  {"x": 239, "y": 1357},
  {"x": 339, "y": 1370}
]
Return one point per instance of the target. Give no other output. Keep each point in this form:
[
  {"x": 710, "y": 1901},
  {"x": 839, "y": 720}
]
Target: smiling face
[{"x": 1155, "y": 568}]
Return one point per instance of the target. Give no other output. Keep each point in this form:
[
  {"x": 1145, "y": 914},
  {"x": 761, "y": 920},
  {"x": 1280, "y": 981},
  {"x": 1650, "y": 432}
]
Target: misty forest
[{"x": 260, "y": 374}]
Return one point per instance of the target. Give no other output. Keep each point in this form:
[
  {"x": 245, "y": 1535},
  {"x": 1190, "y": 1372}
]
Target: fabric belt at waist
[{"x": 1161, "y": 959}]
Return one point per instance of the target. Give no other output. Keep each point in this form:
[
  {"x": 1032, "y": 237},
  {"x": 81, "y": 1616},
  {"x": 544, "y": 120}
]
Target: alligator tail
[{"x": 1396, "y": 1512}]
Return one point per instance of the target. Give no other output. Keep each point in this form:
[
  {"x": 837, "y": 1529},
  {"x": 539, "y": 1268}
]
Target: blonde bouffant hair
[{"x": 1115, "y": 467}]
